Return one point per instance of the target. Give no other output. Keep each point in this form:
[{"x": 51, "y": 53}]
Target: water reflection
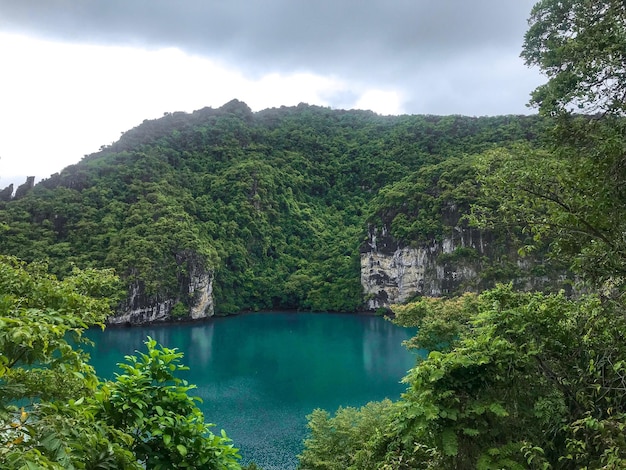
[{"x": 259, "y": 375}]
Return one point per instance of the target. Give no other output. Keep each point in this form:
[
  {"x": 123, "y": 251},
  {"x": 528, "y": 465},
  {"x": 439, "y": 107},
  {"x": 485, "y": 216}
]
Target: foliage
[
  {"x": 532, "y": 367},
  {"x": 580, "y": 46},
  {"x": 150, "y": 404},
  {"x": 337, "y": 443},
  {"x": 440, "y": 322},
  {"x": 274, "y": 203},
  {"x": 428, "y": 203},
  {"x": 54, "y": 411},
  {"x": 40, "y": 315},
  {"x": 529, "y": 381},
  {"x": 43, "y": 379},
  {"x": 565, "y": 197},
  {"x": 570, "y": 191}
]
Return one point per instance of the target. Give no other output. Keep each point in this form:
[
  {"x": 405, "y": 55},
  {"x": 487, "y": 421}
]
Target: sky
[{"x": 76, "y": 74}]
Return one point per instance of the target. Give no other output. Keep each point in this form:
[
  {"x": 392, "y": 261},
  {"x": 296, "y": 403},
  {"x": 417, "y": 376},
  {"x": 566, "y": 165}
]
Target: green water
[{"x": 260, "y": 374}]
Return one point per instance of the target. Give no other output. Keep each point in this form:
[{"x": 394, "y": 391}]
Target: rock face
[
  {"x": 201, "y": 290},
  {"x": 465, "y": 260},
  {"x": 7, "y": 193},
  {"x": 137, "y": 309},
  {"x": 196, "y": 296},
  {"x": 393, "y": 274},
  {"x": 24, "y": 188}
]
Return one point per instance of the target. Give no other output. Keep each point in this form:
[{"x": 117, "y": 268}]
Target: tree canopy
[
  {"x": 54, "y": 411},
  {"x": 275, "y": 203},
  {"x": 581, "y": 47},
  {"x": 525, "y": 380}
]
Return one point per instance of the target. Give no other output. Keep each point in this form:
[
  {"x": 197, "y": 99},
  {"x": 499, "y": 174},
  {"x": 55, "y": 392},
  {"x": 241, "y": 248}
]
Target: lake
[{"x": 260, "y": 374}]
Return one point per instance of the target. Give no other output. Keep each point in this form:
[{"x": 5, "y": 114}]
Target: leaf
[
  {"x": 182, "y": 449},
  {"x": 449, "y": 442},
  {"x": 470, "y": 432},
  {"x": 498, "y": 409}
]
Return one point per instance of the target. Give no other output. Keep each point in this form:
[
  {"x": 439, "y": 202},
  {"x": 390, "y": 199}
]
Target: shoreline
[{"x": 188, "y": 321}]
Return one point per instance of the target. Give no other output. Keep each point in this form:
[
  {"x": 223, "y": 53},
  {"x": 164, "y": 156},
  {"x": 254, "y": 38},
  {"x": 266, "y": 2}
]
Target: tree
[
  {"x": 54, "y": 411},
  {"x": 44, "y": 379},
  {"x": 339, "y": 442},
  {"x": 152, "y": 405},
  {"x": 566, "y": 197},
  {"x": 532, "y": 381},
  {"x": 536, "y": 380},
  {"x": 571, "y": 193},
  {"x": 581, "y": 46}
]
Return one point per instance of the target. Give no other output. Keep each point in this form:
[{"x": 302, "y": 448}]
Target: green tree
[
  {"x": 44, "y": 379},
  {"x": 54, "y": 411},
  {"x": 152, "y": 405},
  {"x": 571, "y": 193},
  {"x": 338, "y": 442},
  {"x": 530, "y": 381},
  {"x": 534, "y": 381},
  {"x": 581, "y": 47},
  {"x": 568, "y": 198}
]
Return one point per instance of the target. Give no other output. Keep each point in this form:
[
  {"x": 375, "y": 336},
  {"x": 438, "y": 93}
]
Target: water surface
[{"x": 260, "y": 374}]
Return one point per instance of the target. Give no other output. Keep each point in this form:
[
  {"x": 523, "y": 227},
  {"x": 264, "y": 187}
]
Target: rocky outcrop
[
  {"x": 466, "y": 259},
  {"x": 24, "y": 188},
  {"x": 201, "y": 291},
  {"x": 393, "y": 274},
  {"x": 194, "y": 300},
  {"x": 7, "y": 193},
  {"x": 138, "y": 310}
]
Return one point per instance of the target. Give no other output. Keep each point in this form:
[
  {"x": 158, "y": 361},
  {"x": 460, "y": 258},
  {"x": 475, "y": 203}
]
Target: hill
[{"x": 225, "y": 210}]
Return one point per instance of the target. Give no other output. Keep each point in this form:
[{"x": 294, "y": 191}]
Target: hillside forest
[
  {"x": 276, "y": 206},
  {"x": 276, "y": 203}
]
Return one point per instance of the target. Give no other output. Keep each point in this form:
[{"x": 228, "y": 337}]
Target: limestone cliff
[
  {"x": 465, "y": 259},
  {"x": 195, "y": 298}
]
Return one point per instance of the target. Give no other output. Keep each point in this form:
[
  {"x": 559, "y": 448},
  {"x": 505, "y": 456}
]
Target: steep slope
[
  {"x": 420, "y": 241},
  {"x": 224, "y": 210}
]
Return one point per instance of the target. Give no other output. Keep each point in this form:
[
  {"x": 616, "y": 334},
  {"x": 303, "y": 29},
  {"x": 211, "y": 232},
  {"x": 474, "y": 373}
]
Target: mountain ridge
[{"x": 272, "y": 205}]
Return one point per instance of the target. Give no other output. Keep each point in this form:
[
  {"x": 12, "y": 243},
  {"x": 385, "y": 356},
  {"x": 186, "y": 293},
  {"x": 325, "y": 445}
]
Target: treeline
[
  {"x": 520, "y": 380},
  {"x": 275, "y": 202}
]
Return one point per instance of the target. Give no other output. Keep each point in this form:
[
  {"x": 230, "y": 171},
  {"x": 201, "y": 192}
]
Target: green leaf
[
  {"x": 498, "y": 409},
  {"x": 182, "y": 449},
  {"x": 449, "y": 442}
]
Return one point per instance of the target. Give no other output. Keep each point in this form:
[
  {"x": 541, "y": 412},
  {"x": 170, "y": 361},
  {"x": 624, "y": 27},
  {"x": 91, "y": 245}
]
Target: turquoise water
[{"x": 260, "y": 374}]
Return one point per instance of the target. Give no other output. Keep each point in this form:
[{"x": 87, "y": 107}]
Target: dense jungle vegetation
[
  {"x": 276, "y": 202},
  {"x": 524, "y": 380}
]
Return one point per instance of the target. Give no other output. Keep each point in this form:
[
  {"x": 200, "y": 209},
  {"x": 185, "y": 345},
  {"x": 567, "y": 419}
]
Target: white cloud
[
  {"x": 60, "y": 101},
  {"x": 381, "y": 101}
]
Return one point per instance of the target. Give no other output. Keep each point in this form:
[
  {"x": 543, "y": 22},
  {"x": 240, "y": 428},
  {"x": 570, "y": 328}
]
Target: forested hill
[{"x": 274, "y": 204}]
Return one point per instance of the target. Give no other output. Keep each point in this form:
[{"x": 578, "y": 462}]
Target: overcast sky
[{"x": 77, "y": 73}]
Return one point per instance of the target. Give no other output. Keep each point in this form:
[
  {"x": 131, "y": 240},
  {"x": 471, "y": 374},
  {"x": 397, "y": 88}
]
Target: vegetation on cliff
[
  {"x": 524, "y": 380},
  {"x": 276, "y": 203},
  {"x": 56, "y": 414}
]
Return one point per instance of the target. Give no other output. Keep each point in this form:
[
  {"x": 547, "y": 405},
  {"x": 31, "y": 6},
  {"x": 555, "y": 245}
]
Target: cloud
[
  {"x": 377, "y": 43},
  {"x": 78, "y": 73},
  {"x": 61, "y": 101}
]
